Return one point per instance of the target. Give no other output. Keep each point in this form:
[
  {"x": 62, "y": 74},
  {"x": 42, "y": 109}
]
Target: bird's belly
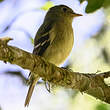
[{"x": 57, "y": 52}]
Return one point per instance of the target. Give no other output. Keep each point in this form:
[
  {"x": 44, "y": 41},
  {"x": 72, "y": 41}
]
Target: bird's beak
[{"x": 76, "y": 15}]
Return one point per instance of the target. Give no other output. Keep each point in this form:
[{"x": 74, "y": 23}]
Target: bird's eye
[{"x": 64, "y": 9}]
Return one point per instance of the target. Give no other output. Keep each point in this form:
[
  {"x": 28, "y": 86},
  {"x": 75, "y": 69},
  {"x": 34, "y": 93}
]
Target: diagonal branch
[{"x": 92, "y": 84}]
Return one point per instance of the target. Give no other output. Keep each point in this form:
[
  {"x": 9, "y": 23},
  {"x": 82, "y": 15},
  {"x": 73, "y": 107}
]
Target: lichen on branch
[{"x": 92, "y": 84}]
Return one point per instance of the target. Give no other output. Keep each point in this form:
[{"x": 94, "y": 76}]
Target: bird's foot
[
  {"x": 66, "y": 68},
  {"x": 47, "y": 86}
]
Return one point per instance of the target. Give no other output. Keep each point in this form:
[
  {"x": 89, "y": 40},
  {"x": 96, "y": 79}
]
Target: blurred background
[{"x": 20, "y": 20}]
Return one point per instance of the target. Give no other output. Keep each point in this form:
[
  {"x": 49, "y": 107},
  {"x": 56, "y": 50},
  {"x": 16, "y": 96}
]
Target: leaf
[
  {"x": 82, "y": 1},
  {"x": 47, "y": 5},
  {"x": 32, "y": 40},
  {"x": 102, "y": 107},
  {"x": 1, "y": 0},
  {"x": 93, "y": 5},
  {"x": 106, "y": 3}
]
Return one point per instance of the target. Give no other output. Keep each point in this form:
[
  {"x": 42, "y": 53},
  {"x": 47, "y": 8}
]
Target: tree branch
[{"x": 92, "y": 84}]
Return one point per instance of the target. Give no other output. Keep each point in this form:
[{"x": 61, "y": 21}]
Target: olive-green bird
[{"x": 54, "y": 39}]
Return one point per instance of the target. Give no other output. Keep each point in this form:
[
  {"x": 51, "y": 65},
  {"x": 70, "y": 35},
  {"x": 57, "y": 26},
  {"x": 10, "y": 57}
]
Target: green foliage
[
  {"x": 47, "y": 5},
  {"x": 1, "y": 0},
  {"x": 32, "y": 40},
  {"x": 102, "y": 107},
  {"x": 106, "y": 3},
  {"x": 93, "y": 5},
  {"x": 81, "y": 1}
]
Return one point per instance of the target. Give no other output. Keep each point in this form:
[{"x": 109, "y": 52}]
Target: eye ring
[{"x": 64, "y": 9}]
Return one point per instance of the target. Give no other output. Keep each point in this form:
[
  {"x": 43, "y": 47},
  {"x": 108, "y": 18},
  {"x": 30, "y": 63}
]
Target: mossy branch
[{"x": 92, "y": 84}]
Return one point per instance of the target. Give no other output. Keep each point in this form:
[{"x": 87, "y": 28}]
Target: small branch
[{"x": 92, "y": 84}]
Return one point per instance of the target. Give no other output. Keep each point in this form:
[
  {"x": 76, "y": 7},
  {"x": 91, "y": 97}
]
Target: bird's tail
[{"x": 30, "y": 91}]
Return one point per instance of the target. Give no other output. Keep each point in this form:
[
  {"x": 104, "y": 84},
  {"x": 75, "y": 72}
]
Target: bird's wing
[{"x": 43, "y": 39}]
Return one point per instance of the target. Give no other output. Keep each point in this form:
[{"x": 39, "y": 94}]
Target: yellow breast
[{"x": 61, "y": 46}]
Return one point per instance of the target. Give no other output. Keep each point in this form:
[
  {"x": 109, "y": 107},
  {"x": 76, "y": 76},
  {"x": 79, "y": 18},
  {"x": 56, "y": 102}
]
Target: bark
[{"x": 90, "y": 83}]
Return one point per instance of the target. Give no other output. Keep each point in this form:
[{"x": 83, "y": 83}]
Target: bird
[{"x": 54, "y": 40}]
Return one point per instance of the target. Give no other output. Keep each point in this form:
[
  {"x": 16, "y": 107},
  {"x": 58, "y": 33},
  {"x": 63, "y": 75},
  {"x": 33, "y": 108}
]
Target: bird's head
[{"x": 61, "y": 12}]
